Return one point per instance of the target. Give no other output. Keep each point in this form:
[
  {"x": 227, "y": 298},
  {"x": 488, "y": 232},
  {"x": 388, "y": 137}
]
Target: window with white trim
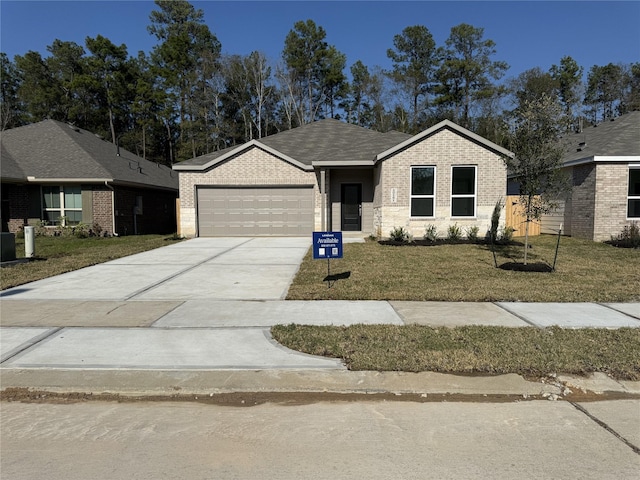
[
  {"x": 62, "y": 203},
  {"x": 633, "y": 196},
  {"x": 463, "y": 191},
  {"x": 423, "y": 185}
]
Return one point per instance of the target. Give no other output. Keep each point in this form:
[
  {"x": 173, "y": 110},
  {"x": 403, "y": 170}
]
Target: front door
[{"x": 351, "y": 207}]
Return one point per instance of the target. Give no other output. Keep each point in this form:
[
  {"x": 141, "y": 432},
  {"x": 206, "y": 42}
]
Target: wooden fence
[{"x": 516, "y": 219}]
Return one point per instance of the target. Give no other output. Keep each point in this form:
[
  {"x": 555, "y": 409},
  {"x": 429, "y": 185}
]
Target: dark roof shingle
[
  {"x": 612, "y": 138},
  {"x": 55, "y": 150}
]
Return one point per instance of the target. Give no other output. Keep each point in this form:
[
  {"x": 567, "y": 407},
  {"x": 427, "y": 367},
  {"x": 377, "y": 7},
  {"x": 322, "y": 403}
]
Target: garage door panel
[{"x": 236, "y": 211}]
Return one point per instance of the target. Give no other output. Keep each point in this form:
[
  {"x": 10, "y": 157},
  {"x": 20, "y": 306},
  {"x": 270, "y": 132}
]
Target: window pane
[
  {"x": 72, "y": 197},
  {"x": 634, "y": 181},
  {"x": 422, "y": 181},
  {"x": 463, "y": 181},
  {"x": 73, "y": 217},
  {"x": 51, "y": 197},
  {"x": 462, "y": 207},
  {"x": 634, "y": 208},
  {"x": 51, "y": 216},
  {"x": 422, "y": 207}
]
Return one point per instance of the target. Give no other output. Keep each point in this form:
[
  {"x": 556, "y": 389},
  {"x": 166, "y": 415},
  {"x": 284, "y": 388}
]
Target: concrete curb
[{"x": 211, "y": 382}]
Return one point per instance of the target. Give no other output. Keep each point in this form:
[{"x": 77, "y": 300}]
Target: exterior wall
[
  {"x": 353, "y": 176},
  {"x": 21, "y": 205},
  {"x": 253, "y": 167},
  {"x": 101, "y": 198},
  {"x": 158, "y": 211},
  {"x": 610, "y": 215},
  {"x": 583, "y": 201},
  {"x": 443, "y": 150}
]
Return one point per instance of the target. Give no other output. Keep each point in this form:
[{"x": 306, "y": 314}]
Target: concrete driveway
[
  {"x": 209, "y": 303},
  {"x": 201, "y": 268}
]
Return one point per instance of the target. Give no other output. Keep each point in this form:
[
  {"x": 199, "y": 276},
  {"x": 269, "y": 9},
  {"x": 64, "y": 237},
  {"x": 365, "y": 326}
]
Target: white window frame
[
  {"x": 412, "y": 196},
  {"x": 474, "y": 195},
  {"x": 63, "y": 208},
  {"x": 631, "y": 197}
]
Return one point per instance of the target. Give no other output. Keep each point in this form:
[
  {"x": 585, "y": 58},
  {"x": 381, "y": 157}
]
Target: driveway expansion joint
[{"x": 604, "y": 425}]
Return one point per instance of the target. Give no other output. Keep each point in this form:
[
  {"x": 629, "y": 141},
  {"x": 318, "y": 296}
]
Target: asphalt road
[{"x": 335, "y": 440}]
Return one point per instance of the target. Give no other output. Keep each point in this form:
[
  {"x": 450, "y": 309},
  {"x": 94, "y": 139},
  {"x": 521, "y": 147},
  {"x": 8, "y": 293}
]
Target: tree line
[{"x": 185, "y": 99}]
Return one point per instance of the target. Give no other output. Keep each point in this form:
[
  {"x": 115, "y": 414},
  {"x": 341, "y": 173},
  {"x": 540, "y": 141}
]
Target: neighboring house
[
  {"x": 603, "y": 162},
  {"x": 54, "y": 172},
  {"x": 330, "y": 175}
]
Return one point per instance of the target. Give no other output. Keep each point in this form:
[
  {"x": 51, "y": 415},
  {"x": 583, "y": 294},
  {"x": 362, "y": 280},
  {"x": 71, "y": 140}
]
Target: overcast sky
[{"x": 527, "y": 34}]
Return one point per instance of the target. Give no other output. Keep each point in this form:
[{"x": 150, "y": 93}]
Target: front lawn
[
  {"x": 585, "y": 272},
  {"x": 531, "y": 352},
  {"x": 56, "y": 255}
]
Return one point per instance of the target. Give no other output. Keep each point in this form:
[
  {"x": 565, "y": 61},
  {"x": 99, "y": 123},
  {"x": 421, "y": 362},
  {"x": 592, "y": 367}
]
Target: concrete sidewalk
[{"x": 196, "y": 315}]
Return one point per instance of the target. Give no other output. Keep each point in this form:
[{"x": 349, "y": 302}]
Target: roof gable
[
  {"x": 54, "y": 151},
  {"x": 445, "y": 124}
]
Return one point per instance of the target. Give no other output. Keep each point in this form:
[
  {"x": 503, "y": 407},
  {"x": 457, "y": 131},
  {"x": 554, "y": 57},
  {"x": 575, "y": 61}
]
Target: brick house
[
  {"x": 603, "y": 162},
  {"x": 330, "y": 175},
  {"x": 52, "y": 172}
]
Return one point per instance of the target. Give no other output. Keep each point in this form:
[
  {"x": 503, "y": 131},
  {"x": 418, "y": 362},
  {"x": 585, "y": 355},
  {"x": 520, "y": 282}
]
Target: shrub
[
  {"x": 81, "y": 230},
  {"x": 629, "y": 237},
  {"x": 400, "y": 234},
  {"x": 472, "y": 233},
  {"x": 454, "y": 232},
  {"x": 495, "y": 219},
  {"x": 506, "y": 234},
  {"x": 431, "y": 233}
]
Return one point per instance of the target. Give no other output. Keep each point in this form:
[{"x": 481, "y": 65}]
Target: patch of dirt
[
  {"x": 250, "y": 399},
  {"x": 529, "y": 267}
]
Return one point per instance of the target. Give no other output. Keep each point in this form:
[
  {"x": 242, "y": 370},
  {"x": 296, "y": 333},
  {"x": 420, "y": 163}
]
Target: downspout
[{"x": 113, "y": 208}]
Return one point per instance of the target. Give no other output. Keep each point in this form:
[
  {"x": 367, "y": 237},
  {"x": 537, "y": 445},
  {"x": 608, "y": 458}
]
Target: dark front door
[{"x": 351, "y": 207}]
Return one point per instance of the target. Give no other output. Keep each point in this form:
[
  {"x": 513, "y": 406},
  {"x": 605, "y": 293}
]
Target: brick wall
[
  {"x": 612, "y": 185},
  {"x": 101, "y": 197},
  {"x": 443, "y": 150},
  {"x": 252, "y": 167},
  {"x": 583, "y": 201}
]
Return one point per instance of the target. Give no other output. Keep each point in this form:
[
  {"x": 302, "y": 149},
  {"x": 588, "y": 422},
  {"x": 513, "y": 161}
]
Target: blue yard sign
[{"x": 327, "y": 245}]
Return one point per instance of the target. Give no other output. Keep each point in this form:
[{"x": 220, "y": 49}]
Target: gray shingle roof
[
  {"x": 322, "y": 141},
  {"x": 54, "y": 150},
  {"x": 612, "y": 138}
]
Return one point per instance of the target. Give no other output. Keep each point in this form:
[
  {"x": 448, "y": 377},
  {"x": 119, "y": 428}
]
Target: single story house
[
  {"x": 330, "y": 175},
  {"x": 54, "y": 173},
  {"x": 603, "y": 162}
]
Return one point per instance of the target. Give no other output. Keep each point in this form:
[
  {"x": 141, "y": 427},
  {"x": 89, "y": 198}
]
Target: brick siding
[
  {"x": 252, "y": 167},
  {"x": 443, "y": 150}
]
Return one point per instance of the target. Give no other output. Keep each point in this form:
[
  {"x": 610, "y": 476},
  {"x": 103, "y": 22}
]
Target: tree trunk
[{"x": 526, "y": 239}]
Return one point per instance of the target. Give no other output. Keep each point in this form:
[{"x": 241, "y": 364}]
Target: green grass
[
  {"x": 56, "y": 255},
  {"x": 472, "y": 349},
  {"x": 585, "y": 272}
]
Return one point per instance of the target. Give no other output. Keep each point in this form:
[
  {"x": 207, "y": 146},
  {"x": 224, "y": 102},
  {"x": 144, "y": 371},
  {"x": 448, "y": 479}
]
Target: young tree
[
  {"x": 467, "y": 72},
  {"x": 414, "y": 64},
  {"x": 537, "y": 126}
]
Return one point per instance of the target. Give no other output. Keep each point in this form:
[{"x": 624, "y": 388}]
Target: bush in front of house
[
  {"x": 629, "y": 237},
  {"x": 400, "y": 234},
  {"x": 472, "y": 233},
  {"x": 431, "y": 233},
  {"x": 454, "y": 233}
]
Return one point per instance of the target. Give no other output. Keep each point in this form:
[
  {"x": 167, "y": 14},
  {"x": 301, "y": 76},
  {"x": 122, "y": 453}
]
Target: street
[{"x": 340, "y": 439}]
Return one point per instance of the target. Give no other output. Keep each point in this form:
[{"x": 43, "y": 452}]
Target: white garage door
[{"x": 250, "y": 211}]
